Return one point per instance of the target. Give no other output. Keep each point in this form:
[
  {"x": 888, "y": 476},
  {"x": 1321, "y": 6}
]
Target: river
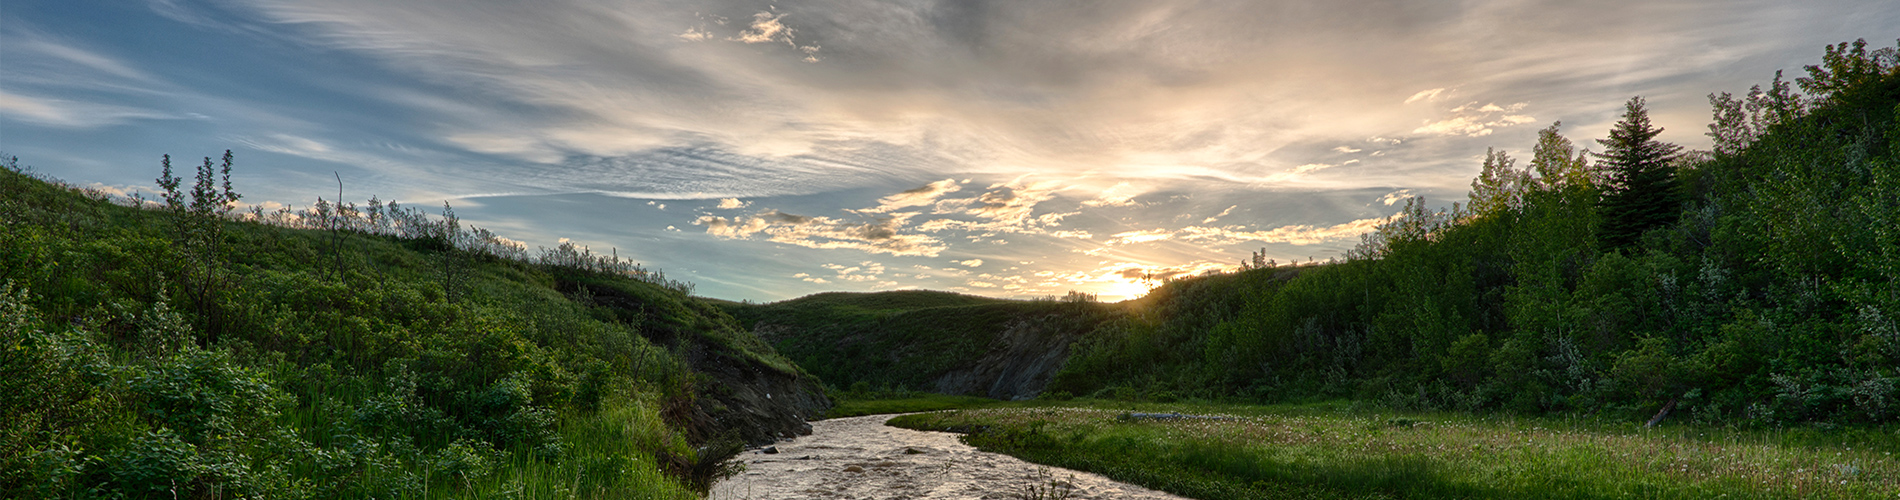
[{"x": 861, "y": 458}]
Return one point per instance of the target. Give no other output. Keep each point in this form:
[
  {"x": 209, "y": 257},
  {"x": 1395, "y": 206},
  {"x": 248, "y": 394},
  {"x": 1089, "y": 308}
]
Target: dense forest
[
  {"x": 1755, "y": 284},
  {"x": 178, "y": 348}
]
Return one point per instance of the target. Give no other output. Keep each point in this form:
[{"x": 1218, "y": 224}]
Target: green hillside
[
  {"x": 349, "y": 351},
  {"x": 906, "y": 339}
]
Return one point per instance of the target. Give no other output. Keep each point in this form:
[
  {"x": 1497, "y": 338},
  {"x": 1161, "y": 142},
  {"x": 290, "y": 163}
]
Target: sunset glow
[{"x": 766, "y": 151}]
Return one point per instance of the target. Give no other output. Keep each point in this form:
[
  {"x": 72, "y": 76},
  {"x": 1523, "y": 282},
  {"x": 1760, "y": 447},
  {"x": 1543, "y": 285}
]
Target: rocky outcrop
[{"x": 1020, "y": 362}]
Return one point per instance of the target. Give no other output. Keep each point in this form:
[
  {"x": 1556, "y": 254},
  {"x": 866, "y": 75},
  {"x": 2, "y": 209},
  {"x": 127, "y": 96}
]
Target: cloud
[
  {"x": 1003, "y": 208},
  {"x": 1396, "y": 196},
  {"x": 1472, "y": 120},
  {"x": 1007, "y": 207},
  {"x": 866, "y": 271},
  {"x": 1311, "y": 167},
  {"x": 1076, "y": 234},
  {"x": 695, "y": 34},
  {"x": 732, "y": 203},
  {"x": 1141, "y": 236},
  {"x": 85, "y": 58},
  {"x": 921, "y": 196},
  {"x": 1119, "y": 195},
  {"x": 1296, "y": 234},
  {"x": 1165, "y": 273},
  {"x": 1135, "y": 90},
  {"x": 72, "y": 114},
  {"x": 1425, "y": 95},
  {"x": 1223, "y": 213},
  {"x": 734, "y": 228},
  {"x": 875, "y": 235},
  {"x": 766, "y": 28},
  {"x": 970, "y": 263},
  {"x": 1347, "y": 150}
]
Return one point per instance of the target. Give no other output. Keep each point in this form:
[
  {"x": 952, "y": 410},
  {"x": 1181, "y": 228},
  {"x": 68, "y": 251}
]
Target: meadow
[
  {"x": 1348, "y": 450},
  {"x": 849, "y": 406}
]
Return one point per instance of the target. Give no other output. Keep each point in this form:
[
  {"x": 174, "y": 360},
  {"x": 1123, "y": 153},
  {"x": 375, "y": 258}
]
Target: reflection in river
[{"x": 861, "y": 458}]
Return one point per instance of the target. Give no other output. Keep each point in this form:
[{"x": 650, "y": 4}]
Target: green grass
[
  {"x": 1335, "y": 450},
  {"x": 914, "y": 403}
]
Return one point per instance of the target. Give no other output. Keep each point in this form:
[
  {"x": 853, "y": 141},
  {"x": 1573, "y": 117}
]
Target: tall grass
[{"x": 1305, "y": 452}]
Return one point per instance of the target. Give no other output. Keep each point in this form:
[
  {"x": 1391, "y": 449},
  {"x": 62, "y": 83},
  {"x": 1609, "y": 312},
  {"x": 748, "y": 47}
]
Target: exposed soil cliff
[
  {"x": 748, "y": 392},
  {"x": 1019, "y": 363},
  {"x": 753, "y": 401}
]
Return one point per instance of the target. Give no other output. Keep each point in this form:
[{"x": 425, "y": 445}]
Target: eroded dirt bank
[{"x": 861, "y": 458}]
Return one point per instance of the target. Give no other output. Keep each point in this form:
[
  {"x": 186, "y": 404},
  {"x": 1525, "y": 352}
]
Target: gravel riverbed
[{"x": 861, "y": 458}]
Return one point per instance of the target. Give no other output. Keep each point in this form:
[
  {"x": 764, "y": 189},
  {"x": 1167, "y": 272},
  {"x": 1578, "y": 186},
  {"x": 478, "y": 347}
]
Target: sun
[{"x": 1123, "y": 289}]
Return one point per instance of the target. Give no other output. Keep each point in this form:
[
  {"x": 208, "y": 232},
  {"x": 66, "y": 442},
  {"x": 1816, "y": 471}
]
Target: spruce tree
[{"x": 1641, "y": 190}]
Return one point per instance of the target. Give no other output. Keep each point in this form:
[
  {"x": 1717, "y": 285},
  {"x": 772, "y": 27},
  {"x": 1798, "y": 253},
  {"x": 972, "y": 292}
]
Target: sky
[{"x": 765, "y": 151}]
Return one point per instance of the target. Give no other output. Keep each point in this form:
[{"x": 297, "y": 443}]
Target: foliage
[{"x": 336, "y": 352}]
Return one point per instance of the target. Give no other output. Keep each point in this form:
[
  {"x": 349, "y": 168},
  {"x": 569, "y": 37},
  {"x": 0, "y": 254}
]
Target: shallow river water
[{"x": 861, "y": 458}]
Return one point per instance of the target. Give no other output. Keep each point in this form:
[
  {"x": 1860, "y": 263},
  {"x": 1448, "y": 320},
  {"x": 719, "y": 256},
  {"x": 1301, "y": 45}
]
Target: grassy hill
[
  {"x": 913, "y": 339},
  {"x": 175, "y": 350}
]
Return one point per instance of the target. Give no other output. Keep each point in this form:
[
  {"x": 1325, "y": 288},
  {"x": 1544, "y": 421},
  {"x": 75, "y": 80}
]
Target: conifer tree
[{"x": 1641, "y": 190}]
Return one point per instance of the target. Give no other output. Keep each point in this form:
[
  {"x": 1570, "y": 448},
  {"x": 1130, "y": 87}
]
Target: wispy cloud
[
  {"x": 1119, "y": 195},
  {"x": 1473, "y": 120},
  {"x": 1396, "y": 196},
  {"x": 1223, "y": 213},
  {"x": 73, "y": 114},
  {"x": 922, "y": 196},
  {"x": 1425, "y": 95},
  {"x": 1299, "y": 234}
]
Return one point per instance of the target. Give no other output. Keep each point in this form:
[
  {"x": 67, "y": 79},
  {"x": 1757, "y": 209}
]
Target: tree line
[{"x": 1757, "y": 282}]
